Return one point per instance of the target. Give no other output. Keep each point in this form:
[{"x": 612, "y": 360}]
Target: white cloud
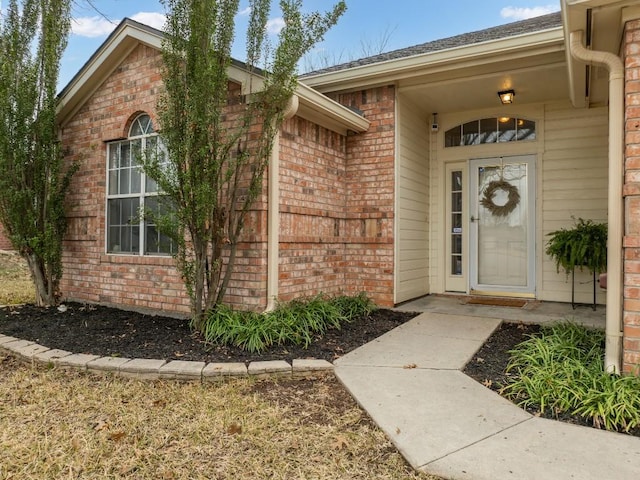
[
  {"x": 99, "y": 26},
  {"x": 245, "y": 11},
  {"x": 522, "y": 13},
  {"x": 91, "y": 26},
  {"x": 153, "y": 19},
  {"x": 275, "y": 25}
]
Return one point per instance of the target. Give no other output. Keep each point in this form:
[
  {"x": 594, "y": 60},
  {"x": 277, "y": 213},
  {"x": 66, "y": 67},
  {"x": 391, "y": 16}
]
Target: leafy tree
[
  {"x": 218, "y": 146},
  {"x": 33, "y": 183}
]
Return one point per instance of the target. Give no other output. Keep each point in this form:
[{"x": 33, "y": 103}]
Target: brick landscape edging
[{"x": 150, "y": 369}]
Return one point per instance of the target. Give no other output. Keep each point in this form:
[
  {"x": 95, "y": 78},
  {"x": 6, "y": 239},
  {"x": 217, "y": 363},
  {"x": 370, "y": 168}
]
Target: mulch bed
[
  {"x": 488, "y": 365},
  {"x": 109, "y": 331},
  {"x": 490, "y": 362}
]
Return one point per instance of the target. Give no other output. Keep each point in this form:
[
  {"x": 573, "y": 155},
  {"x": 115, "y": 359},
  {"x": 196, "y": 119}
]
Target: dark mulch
[
  {"x": 490, "y": 362},
  {"x": 108, "y": 331},
  {"x": 112, "y": 332}
]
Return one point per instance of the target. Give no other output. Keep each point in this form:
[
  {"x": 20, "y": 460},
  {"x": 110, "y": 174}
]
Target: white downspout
[
  {"x": 273, "y": 211},
  {"x": 613, "y": 331}
]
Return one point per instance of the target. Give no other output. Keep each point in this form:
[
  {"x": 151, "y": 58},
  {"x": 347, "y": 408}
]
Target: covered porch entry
[{"x": 480, "y": 183}]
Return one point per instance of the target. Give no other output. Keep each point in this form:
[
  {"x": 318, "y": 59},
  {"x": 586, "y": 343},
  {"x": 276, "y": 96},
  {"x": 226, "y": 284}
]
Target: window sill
[{"x": 133, "y": 259}]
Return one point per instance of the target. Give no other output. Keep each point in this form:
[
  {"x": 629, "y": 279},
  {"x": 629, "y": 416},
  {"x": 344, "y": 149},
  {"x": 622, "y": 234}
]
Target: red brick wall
[
  {"x": 336, "y": 223},
  {"x": 312, "y": 210},
  {"x": 4, "y": 241},
  {"x": 370, "y": 195},
  {"x": 631, "y": 338},
  {"x": 336, "y": 206},
  {"x": 133, "y": 281},
  {"x": 89, "y": 273}
]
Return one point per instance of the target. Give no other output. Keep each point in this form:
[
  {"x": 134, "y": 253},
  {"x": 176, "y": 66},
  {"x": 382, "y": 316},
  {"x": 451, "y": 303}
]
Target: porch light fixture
[{"x": 506, "y": 96}]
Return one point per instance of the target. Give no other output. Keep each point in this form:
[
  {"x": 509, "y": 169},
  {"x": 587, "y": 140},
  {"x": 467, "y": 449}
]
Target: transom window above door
[{"x": 490, "y": 130}]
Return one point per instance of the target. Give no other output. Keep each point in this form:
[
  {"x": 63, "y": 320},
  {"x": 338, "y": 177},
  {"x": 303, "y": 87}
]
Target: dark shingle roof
[{"x": 536, "y": 24}]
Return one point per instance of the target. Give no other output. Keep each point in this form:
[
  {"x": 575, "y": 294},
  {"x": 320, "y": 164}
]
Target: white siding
[
  {"x": 573, "y": 184},
  {"x": 412, "y": 201},
  {"x": 571, "y": 149}
]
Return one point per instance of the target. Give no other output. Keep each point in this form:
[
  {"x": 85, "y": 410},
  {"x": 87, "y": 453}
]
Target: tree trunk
[
  {"x": 45, "y": 296},
  {"x": 199, "y": 285}
]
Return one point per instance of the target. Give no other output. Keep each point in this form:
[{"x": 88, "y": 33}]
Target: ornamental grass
[{"x": 561, "y": 371}]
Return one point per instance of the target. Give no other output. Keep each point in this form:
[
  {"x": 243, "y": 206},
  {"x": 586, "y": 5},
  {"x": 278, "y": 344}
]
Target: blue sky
[{"x": 366, "y": 25}]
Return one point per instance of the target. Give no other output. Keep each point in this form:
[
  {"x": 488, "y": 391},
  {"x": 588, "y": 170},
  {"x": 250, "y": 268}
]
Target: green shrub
[
  {"x": 294, "y": 322},
  {"x": 561, "y": 370}
]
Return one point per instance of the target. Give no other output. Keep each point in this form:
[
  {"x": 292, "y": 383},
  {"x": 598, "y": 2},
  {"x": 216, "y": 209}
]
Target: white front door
[{"x": 502, "y": 226}]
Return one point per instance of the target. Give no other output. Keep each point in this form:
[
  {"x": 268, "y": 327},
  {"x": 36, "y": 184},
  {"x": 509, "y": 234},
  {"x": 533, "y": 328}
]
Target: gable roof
[
  {"x": 536, "y": 24},
  {"x": 129, "y": 34}
]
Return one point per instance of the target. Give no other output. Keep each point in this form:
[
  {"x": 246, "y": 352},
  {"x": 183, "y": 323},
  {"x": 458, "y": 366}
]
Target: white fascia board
[
  {"x": 397, "y": 69},
  {"x": 313, "y": 105},
  {"x": 320, "y": 109}
]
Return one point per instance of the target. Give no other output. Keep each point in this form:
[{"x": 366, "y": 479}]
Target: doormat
[{"x": 497, "y": 302}]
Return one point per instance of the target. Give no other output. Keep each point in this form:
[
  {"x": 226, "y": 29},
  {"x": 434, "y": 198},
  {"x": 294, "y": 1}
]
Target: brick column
[{"x": 631, "y": 343}]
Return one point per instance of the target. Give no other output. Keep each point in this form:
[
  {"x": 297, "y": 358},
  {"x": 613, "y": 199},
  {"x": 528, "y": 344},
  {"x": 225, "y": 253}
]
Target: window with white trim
[{"x": 130, "y": 193}]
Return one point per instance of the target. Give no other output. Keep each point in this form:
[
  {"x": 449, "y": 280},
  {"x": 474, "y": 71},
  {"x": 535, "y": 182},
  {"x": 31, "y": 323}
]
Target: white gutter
[
  {"x": 613, "y": 329},
  {"x": 273, "y": 212}
]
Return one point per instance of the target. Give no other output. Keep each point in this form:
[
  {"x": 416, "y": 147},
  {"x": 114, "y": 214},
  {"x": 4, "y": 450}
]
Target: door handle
[{"x": 474, "y": 219}]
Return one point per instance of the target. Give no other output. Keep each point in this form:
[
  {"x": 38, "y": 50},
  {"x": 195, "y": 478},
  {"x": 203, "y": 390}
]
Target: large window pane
[
  {"x": 470, "y": 133},
  {"x": 122, "y": 217},
  {"x": 506, "y": 129},
  {"x": 150, "y": 185},
  {"x": 113, "y": 239},
  {"x": 453, "y": 137},
  {"x": 125, "y": 155},
  {"x": 526, "y": 130},
  {"x": 113, "y": 182},
  {"x": 114, "y": 151},
  {"x": 135, "y": 180},
  {"x": 124, "y": 187},
  {"x": 156, "y": 242},
  {"x": 488, "y": 130}
]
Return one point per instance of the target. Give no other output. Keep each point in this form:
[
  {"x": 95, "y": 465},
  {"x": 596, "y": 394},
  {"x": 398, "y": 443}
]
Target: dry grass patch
[
  {"x": 15, "y": 282},
  {"x": 65, "y": 424}
]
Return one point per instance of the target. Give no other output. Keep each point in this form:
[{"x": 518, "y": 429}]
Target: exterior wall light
[{"x": 506, "y": 96}]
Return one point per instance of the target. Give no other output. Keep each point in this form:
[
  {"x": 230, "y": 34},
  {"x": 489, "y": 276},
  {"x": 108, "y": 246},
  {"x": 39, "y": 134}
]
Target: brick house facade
[
  {"x": 337, "y": 204},
  {"x": 365, "y": 177},
  {"x": 631, "y": 317},
  {"x": 5, "y": 244},
  {"x": 329, "y": 241},
  {"x": 89, "y": 273}
]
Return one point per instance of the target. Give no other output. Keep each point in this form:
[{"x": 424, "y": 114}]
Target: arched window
[
  {"x": 130, "y": 193},
  {"x": 490, "y": 130}
]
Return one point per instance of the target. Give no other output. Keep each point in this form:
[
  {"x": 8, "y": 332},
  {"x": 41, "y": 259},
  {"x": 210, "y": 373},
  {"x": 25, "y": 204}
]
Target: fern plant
[{"x": 583, "y": 246}]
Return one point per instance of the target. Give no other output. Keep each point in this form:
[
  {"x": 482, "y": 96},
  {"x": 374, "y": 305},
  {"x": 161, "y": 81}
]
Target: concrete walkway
[{"x": 446, "y": 424}]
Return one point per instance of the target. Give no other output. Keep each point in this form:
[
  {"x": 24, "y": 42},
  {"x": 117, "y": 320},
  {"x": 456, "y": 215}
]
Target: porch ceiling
[{"x": 534, "y": 80}]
